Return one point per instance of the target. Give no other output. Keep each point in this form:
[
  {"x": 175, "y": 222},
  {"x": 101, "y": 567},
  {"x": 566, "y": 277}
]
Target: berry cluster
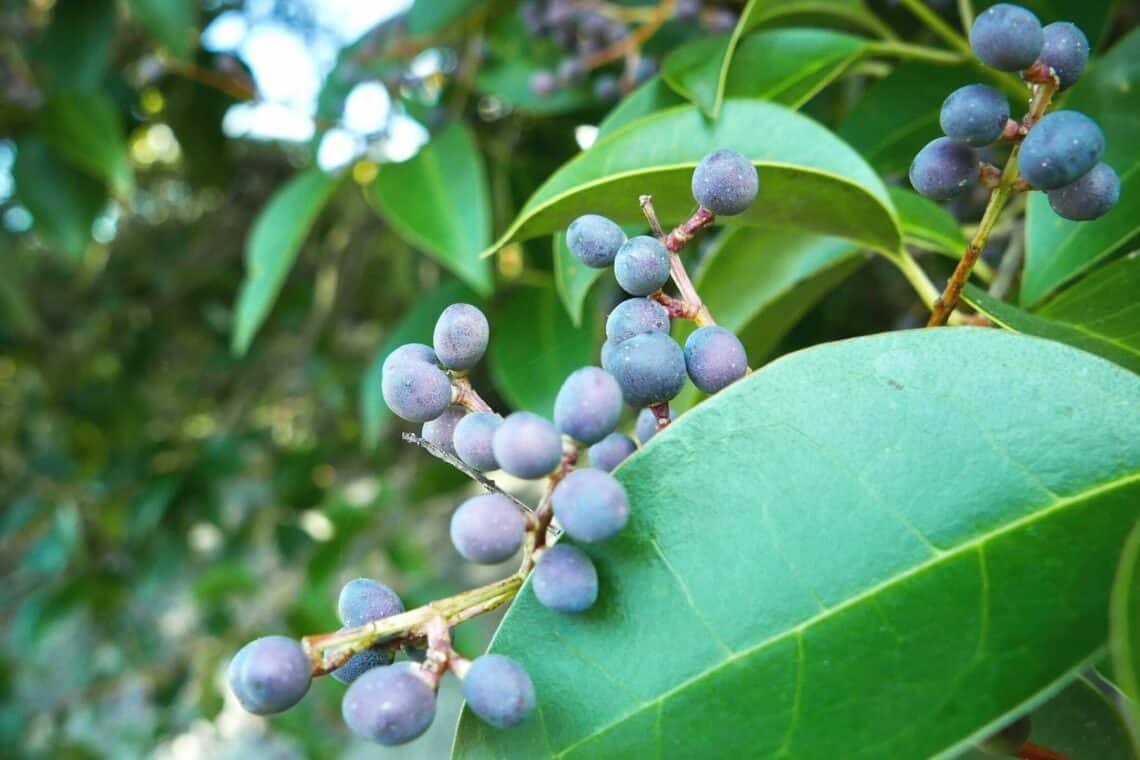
[
  {"x": 394, "y": 702},
  {"x": 591, "y": 38},
  {"x": 1059, "y": 153}
]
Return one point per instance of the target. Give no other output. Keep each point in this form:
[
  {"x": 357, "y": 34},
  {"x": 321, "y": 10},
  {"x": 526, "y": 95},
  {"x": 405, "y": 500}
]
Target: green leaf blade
[
  {"x": 272, "y": 247},
  {"x": 834, "y": 522},
  {"x": 1124, "y": 644},
  {"x": 438, "y": 201},
  {"x": 84, "y": 128},
  {"x": 172, "y": 22}
]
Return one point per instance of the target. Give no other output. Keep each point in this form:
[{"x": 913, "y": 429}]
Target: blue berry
[
  {"x": 361, "y": 662},
  {"x": 1090, "y": 197},
  {"x": 389, "y": 705},
  {"x": 1059, "y": 149},
  {"x": 461, "y": 336},
  {"x": 527, "y": 446},
  {"x": 570, "y": 73},
  {"x": 414, "y": 389},
  {"x": 607, "y": 88},
  {"x": 1007, "y": 37},
  {"x": 650, "y": 368},
  {"x": 943, "y": 169},
  {"x": 591, "y": 505},
  {"x": 1008, "y": 740},
  {"x": 472, "y": 439},
  {"x": 441, "y": 430},
  {"x": 413, "y": 352},
  {"x": 363, "y": 600},
  {"x": 487, "y": 529},
  {"x": 715, "y": 358},
  {"x": 565, "y": 579},
  {"x": 594, "y": 240},
  {"x": 543, "y": 83},
  {"x": 498, "y": 690},
  {"x": 588, "y": 405},
  {"x": 646, "y": 426},
  {"x": 1066, "y": 51},
  {"x": 641, "y": 265},
  {"x": 634, "y": 316},
  {"x": 975, "y": 114},
  {"x": 611, "y": 451},
  {"x": 725, "y": 182},
  {"x": 269, "y": 675}
]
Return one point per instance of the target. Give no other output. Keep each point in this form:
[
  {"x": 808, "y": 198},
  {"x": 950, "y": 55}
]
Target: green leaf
[
  {"x": 63, "y": 201},
  {"x": 1100, "y": 314},
  {"x": 759, "y": 12},
  {"x": 272, "y": 246},
  {"x": 838, "y": 582},
  {"x": 1124, "y": 643},
  {"x": 429, "y": 16},
  {"x": 1056, "y": 249},
  {"x": 173, "y": 22},
  {"x": 415, "y": 326},
  {"x": 75, "y": 51},
  {"x": 534, "y": 346},
  {"x": 927, "y": 225},
  {"x": 786, "y": 66},
  {"x": 899, "y": 115},
  {"x": 1079, "y": 721},
  {"x": 648, "y": 99},
  {"x": 809, "y": 180},
  {"x": 572, "y": 278},
  {"x": 438, "y": 201},
  {"x": 84, "y": 128},
  {"x": 509, "y": 80}
]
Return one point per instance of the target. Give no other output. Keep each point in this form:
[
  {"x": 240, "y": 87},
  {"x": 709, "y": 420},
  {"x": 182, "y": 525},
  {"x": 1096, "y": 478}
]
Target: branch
[{"x": 466, "y": 469}]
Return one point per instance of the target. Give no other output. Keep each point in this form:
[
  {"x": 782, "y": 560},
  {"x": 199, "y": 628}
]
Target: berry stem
[
  {"x": 537, "y": 539},
  {"x": 966, "y": 14},
  {"x": 661, "y": 414},
  {"x": 1030, "y": 751},
  {"x": 632, "y": 42},
  {"x": 674, "y": 242},
  {"x": 908, "y": 52},
  {"x": 466, "y": 396}
]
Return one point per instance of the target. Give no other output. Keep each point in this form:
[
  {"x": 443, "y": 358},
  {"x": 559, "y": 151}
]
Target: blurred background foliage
[{"x": 217, "y": 217}]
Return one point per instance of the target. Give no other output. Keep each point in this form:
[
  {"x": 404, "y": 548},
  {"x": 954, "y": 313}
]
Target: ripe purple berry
[
  {"x": 363, "y": 600},
  {"x": 634, "y": 316},
  {"x": 543, "y": 83},
  {"x": 943, "y": 169},
  {"x": 527, "y": 446},
  {"x": 1060, "y": 149},
  {"x": 441, "y": 430},
  {"x": 269, "y": 675},
  {"x": 565, "y": 579},
  {"x": 650, "y": 368},
  {"x": 461, "y": 336},
  {"x": 473, "y": 437},
  {"x": 588, "y": 405},
  {"x": 591, "y": 505},
  {"x": 975, "y": 114},
  {"x": 715, "y": 358},
  {"x": 611, "y": 451},
  {"x": 641, "y": 265},
  {"x": 1066, "y": 51},
  {"x": 414, "y": 389},
  {"x": 487, "y": 529},
  {"x": 361, "y": 662},
  {"x": 498, "y": 690},
  {"x": 1007, "y": 37},
  {"x": 594, "y": 240},
  {"x": 389, "y": 705},
  {"x": 725, "y": 182},
  {"x": 1090, "y": 197}
]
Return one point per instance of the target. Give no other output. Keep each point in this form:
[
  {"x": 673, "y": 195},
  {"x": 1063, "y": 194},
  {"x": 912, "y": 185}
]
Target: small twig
[
  {"x": 463, "y": 467},
  {"x": 966, "y": 13},
  {"x": 1009, "y": 268},
  {"x": 677, "y": 308},
  {"x": 661, "y": 413},
  {"x": 909, "y": 52},
  {"x": 465, "y": 395},
  {"x": 674, "y": 242},
  {"x": 634, "y": 40}
]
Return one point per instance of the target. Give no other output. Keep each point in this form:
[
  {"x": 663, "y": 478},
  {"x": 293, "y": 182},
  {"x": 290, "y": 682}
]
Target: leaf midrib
[{"x": 944, "y": 555}]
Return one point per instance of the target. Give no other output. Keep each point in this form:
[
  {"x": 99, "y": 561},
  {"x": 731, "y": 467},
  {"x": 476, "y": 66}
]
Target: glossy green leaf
[
  {"x": 272, "y": 247},
  {"x": 63, "y": 201},
  {"x": 1079, "y": 722},
  {"x": 836, "y": 581},
  {"x": 1100, "y": 314},
  {"x": 84, "y": 128},
  {"x": 759, "y": 12},
  {"x": 927, "y": 225},
  {"x": 509, "y": 81},
  {"x": 173, "y": 22},
  {"x": 572, "y": 278},
  {"x": 899, "y": 115},
  {"x": 786, "y": 66},
  {"x": 428, "y": 16},
  {"x": 809, "y": 180},
  {"x": 1124, "y": 643},
  {"x": 415, "y": 326},
  {"x": 651, "y": 97},
  {"x": 535, "y": 345},
  {"x": 1056, "y": 249},
  {"x": 75, "y": 51},
  {"x": 438, "y": 201}
]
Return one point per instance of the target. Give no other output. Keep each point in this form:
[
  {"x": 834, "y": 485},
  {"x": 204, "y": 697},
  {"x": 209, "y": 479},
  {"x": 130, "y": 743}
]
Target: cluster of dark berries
[
  {"x": 386, "y": 702},
  {"x": 647, "y": 363},
  {"x": 583, "y": 33},
  {"x": 1060, "y": 152}
]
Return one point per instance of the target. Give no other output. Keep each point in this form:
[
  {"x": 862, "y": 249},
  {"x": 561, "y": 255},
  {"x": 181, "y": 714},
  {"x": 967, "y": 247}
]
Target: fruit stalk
[
  {"x": 1030, "y": 751},
  {"x": 674, "y": 242}
]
